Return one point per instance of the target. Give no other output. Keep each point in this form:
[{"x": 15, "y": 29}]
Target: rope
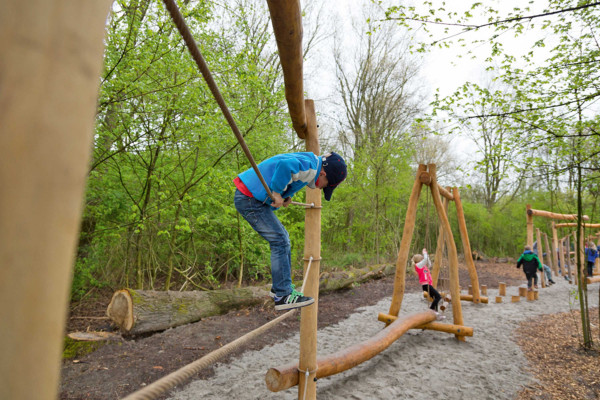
[
  {"x": 310, "y": 259},
  {"x": 212, "y": 85},
  {"x": 306, "y": 375},
  {"x": 165, "y": 383}
]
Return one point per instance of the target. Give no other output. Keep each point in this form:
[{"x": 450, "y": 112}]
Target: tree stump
[
  {"x": 515, "y": 299},
  {"x": 498, "y": 299},
  {"x": 502, "y": 289}
]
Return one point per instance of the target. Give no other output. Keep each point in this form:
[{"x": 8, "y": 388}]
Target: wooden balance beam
[
  {"x": 434, "y": 326},
  {"x": 282, "y": 378},
  {"x": 593, "y": 280}
]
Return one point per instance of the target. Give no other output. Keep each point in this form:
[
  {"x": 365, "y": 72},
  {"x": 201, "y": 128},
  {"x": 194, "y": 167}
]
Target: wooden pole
[
  {"x": 282, "y": 378},
  {"x": 464, "y": 236},
  {"x": 286, "y": 16},
  {"x": 433, "y": 326},
  {"x": 439, "y": 251},
  {"x": 555, "y": 250},
  {"x": 551, "y": 215},
  {"x": 452, "y": 253},
  {"x": 549, "y": 251},
  {"x": 502, "y": 289},
  {"x": 312, "y": 247},
  {"x": 561, "y": 257},
  {"x": 574, "y": 224},
  {"x": 469, "y": 297},
  {"x": 540, "y": 254},
  {"x": 49, "y": 76},
  {"x": 426, "y": 179},
  {"x": 568, "y": 258},
  {"x": 407, "y": 233},
  {"x": 529, "y": 227}
]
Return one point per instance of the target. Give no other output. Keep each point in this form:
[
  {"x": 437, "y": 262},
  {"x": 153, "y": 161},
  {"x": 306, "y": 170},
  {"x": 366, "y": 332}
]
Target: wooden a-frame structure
[{"x": 426, "y": 175}]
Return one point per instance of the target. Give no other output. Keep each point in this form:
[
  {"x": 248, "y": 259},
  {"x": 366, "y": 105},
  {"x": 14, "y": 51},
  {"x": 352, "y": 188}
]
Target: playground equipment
[{"x": 280, "y": 378}]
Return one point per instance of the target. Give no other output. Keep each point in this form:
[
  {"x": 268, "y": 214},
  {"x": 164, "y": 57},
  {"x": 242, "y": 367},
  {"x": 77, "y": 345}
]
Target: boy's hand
[
  {"x": 287, "y": 201},
  {"x": 277, "y": 200}
]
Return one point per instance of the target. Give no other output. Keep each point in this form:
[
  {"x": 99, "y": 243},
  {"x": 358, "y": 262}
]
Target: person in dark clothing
[
  {"x": 591, "y": 253},
  {"x": 531, "y": 264}
]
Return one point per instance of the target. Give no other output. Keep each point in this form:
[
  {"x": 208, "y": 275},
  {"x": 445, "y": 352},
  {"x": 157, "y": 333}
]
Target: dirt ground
[{"x": 123, "y": 365}]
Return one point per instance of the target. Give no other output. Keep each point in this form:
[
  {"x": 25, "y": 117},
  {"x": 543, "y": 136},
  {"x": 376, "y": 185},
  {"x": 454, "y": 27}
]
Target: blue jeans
[{"x": 261, "y": 217}]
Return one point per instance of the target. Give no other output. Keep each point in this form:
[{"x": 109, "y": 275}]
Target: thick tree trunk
[{"x": 143, "y": 311}]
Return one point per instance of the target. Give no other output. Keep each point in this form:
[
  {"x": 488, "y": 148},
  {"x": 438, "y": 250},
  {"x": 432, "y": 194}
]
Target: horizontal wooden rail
[
  {"x": 551, "y": 215},
  {"x": 469, "y": 297},
  {"x": 282, "y": 378},
  {"x": 573, "y": 224},
  {"x": 593, "y": 280},
  {"x": 433, "y": 326}
]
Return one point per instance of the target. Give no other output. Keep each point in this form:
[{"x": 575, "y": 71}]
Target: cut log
[
  {"x": 498, "y": 299},
  {"x": 484, "y": 290},
  {"x": 143, "y": 311},
  {"x": 502, "y": 289},
  {"x": 530, "y": 295},
  {"x": 515, "y": 299},
  {"x": 522, "y": 291},
  {"x": 469, "y": 297}
]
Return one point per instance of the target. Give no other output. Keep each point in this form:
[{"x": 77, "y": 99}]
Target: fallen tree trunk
[{"x": 143, "y": 311}]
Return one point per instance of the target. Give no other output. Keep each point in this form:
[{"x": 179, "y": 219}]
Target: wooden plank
[{"x": 433, "y": 326}]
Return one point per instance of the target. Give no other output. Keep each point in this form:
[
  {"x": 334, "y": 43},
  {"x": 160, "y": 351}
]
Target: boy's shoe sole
[{"x": 289, "y": 306}]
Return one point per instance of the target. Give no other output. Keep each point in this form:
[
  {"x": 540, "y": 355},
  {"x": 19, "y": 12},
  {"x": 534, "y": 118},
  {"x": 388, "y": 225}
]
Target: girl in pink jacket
[{"x": 421, "y": 262}]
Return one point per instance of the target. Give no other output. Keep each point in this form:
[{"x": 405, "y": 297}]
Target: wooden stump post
[
  {"x": 498, "y": 299},
  {"x": 484, "y": 290},
  {"x": 536, "y": 294},
  {"x": 530, "y": 295},
  {"x": 502, "y": 289},
  {"x": 515, "y": 299},
  {"x": 522, "y": 291}
]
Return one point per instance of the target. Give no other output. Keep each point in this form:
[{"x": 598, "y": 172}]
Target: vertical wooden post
[
  {"x": 407, "y": 233},
  {"x": 540, "y": 254},
  {"x": 452, "y": 253},
  {"x": 312, "y": 247},
  {"x": 464, "y": 236},
  {"x": 549, "y": 251},
  {"x": 555, "y": 250},
  {"x": 568, "y": 258},
  {"x": 583, "y": 266},
  {"x": 439, "y": 250},
  {"x": 51, "y": 63},
  {"x": 529, "y": 227},
  {"x": 502, "y": 289},
  {"x": 561, "y": 257}
]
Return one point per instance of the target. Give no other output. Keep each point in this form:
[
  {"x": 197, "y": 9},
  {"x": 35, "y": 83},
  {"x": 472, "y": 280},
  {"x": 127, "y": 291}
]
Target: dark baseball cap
[{"x": 335, "y": 168}]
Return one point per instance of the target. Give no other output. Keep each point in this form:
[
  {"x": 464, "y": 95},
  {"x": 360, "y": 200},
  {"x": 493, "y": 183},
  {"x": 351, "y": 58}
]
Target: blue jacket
[
  {"x": 285, "y": 174},
  {"x": 591, "y": 254}
]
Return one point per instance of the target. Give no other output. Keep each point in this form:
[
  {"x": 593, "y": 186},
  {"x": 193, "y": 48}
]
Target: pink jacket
[{"x": 423, "y": 272}]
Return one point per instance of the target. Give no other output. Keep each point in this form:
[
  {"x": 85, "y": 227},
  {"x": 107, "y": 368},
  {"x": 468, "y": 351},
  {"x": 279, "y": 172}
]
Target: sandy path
[{"x": 420, "y": 365}]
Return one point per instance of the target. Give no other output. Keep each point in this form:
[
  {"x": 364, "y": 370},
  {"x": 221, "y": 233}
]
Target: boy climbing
[{"x": 285, "y": 175}]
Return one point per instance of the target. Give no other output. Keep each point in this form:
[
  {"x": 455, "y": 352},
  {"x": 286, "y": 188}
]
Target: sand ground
[{"x": 420, "y": 365}]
